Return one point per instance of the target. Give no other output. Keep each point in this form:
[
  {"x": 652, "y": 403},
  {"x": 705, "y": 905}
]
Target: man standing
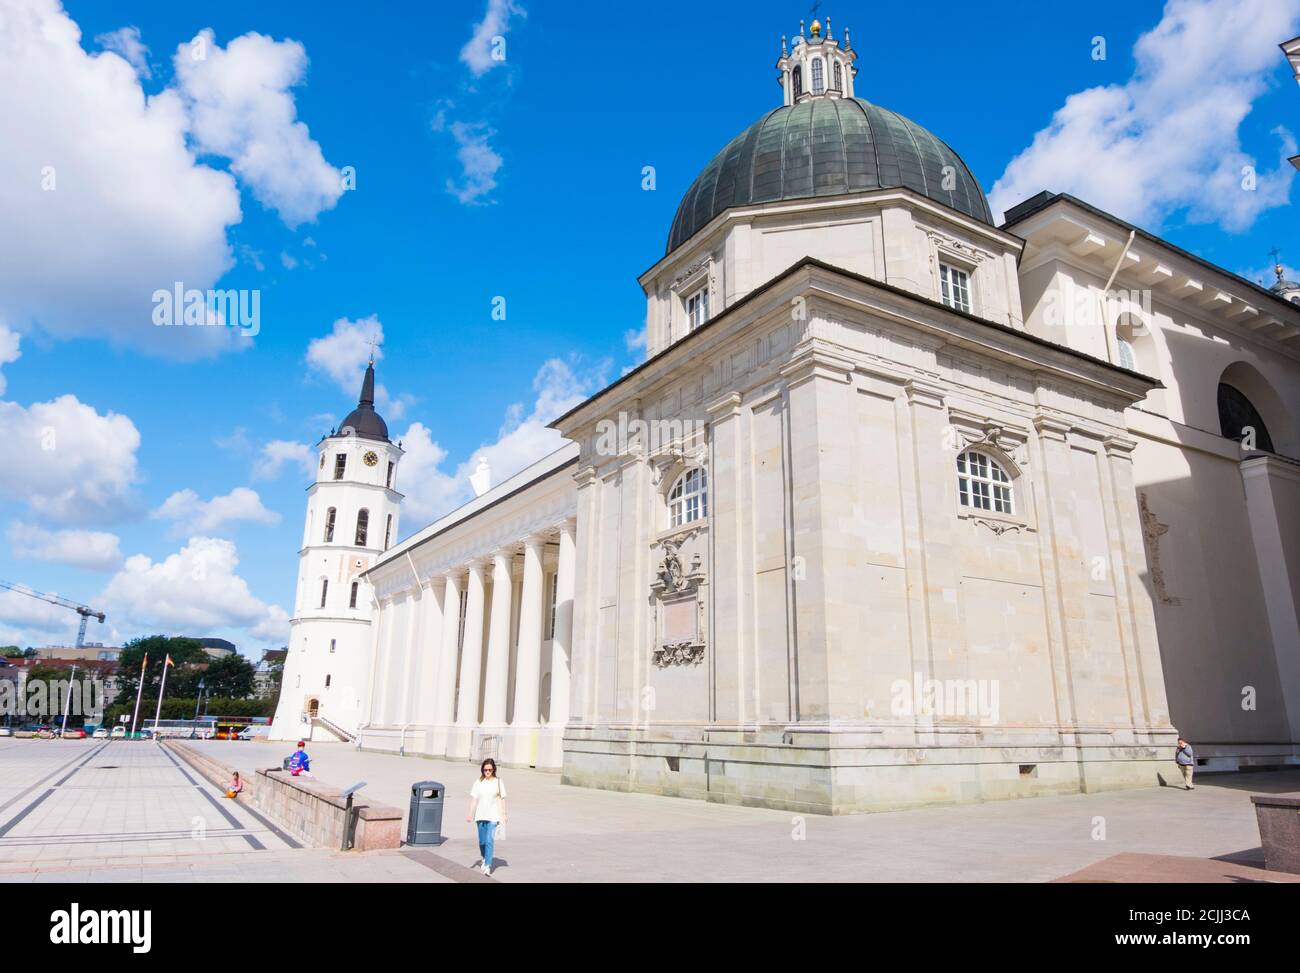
[{"x": 1186, "y": 758}]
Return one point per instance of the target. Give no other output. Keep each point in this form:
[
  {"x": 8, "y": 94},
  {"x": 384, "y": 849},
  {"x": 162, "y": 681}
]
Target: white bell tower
[{"x": 352, "y": 518}]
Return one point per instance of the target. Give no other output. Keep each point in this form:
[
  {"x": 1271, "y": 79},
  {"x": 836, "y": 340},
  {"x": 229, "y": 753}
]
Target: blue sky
[{"x": 475, "y": 180}]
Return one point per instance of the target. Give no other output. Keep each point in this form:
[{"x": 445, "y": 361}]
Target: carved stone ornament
[
  {"x": 942, "y": 241},
  {"x": 679, "y": 610},
  {"x": 999, "y": 527},
  {"x": 677, "y": 458},
  {"x": 671, "y": 577},
  {"x": 678, "y": 654}
]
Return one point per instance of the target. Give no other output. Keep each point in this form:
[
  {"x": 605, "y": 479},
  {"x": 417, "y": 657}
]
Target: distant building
[
  {"x": 93, "y": 651},
  {"x": 264, "y": 682},
  {"x": 102, "y": 669},
  {"x": 217, "y": 648}
]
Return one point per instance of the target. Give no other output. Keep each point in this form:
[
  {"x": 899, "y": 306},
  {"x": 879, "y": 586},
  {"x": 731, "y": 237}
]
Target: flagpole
[
  {"x": 161, "y": 689},
  {"x": 135, "y": 717}
]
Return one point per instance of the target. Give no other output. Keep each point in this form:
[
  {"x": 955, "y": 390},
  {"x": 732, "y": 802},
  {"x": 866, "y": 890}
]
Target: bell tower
[
  {"x": 352, "y": 518},
  {"x": 816, "y": 66}
]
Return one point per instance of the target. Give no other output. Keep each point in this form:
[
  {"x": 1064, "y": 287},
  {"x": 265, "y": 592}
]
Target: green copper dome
[{"x": 827, "y": 147}]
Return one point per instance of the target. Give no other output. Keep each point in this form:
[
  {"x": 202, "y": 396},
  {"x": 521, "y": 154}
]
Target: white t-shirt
[{"x": 489, "y": 794}]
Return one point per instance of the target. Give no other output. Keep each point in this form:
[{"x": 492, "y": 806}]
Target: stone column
[
  {"x": 445, "y": 691},
  {"x": 562, "y": 640},
  {"x": 431, "y": 651},
  {"x": 528, "y": 664},
  {"x": 497, "y": 678},
  {"x": 472, "y": 650}
]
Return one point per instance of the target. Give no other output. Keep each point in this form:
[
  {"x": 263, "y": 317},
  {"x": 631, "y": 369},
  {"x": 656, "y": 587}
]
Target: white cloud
[
  {"x": 277, "y": 453},
  {"x": 9, "y": 351},
  {"x": 342, "y": 354},
  {"x": 287, "y": 260},
  {"x": 478, "y": 50},
  {"x": 479, "y": 162},
  {"x": 193, "y": 591},
  {"x": 92, "y": 550},
  {"x": 105, "y": 192},
  {"x": 1167, "y": 140},
  {"x": 195, "y": 516},
  {"x": 274, "y": 627},
  {"x": 523, "y": 439},
  {"x": 240, "y": 107},
  {"x": 126, "y": 42},
  {"x": 67, "y": 462},
  {"x": 25, "y": 621}
]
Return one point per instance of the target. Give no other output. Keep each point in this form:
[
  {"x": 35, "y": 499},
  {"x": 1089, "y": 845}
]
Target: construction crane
[{"x": 85, "y": 611}]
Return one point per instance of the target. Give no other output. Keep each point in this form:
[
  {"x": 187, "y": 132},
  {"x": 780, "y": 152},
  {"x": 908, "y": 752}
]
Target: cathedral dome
[{"x": 827, "y": 147}]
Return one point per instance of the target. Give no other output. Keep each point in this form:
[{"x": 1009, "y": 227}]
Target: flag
[{"x": 168, "y": 662}]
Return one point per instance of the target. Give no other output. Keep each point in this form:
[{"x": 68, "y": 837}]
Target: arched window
[
  {"x": 327, "y": 680},
  {"x": 688, "y": 500},
  {"x": 819, "y": 82},
  {"x": 324, "y": 590},
  {"x": 363, "y": 526},
  {"x": 1239, "y": 419},
  {"x": 798, "y": 81},
  {"x": 388, "y": 532},
  {"x": 352, "y": 599},
  {"x": 330, "y": 516},
  {"x": 1126, "y": 357},
  {"x": 839, "y": 77},
  {"x": 983, "y": 483}
]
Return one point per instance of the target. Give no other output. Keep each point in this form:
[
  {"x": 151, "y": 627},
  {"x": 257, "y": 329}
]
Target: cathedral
[{"x": 904, "y": 506}]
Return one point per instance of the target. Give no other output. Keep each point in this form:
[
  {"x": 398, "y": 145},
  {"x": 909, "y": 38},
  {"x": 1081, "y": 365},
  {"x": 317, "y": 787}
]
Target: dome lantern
[{"x": 816, "y": 67}]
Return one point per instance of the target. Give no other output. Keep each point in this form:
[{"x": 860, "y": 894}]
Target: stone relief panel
[{"x": 677, "y": 599}]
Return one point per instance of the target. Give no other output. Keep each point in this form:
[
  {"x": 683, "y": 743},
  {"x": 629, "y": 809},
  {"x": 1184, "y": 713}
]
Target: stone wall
[{"x": 310, "y": 810}]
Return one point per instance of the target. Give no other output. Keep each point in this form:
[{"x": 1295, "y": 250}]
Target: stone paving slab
[
  {"x": 573, "y": 834},
  {"x": 1131, "y": 867}
]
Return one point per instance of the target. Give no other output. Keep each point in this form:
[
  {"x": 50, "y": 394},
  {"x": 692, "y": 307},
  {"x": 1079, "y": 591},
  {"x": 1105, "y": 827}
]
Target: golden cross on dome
[{"x": 373, "y": 339}]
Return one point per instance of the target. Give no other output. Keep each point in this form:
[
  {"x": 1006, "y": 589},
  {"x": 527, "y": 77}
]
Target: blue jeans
[{"x": 487, "y": 832}]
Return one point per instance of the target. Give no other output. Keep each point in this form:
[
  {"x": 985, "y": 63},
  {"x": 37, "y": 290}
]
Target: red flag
[{"x": 169, "y": 661}]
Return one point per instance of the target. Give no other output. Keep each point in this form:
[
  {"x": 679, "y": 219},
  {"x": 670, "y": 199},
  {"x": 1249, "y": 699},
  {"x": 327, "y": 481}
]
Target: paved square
[{"x": 89, "y": 811}]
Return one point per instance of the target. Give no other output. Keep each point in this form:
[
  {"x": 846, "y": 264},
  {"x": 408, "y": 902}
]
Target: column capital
[{"x": 535, "y": 539}]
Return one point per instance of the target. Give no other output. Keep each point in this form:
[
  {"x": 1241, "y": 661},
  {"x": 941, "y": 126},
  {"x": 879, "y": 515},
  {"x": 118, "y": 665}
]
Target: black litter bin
[{"x": 424, "y": 823}]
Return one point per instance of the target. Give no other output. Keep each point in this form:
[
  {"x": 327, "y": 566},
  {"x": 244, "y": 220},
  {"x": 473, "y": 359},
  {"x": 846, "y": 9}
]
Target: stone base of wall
[
  {"x": 834, "y": 773},
  {"x": 312, "y": 811}
]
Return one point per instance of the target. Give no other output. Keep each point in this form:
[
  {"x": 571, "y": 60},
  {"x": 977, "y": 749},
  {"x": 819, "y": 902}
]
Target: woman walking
[{"x": 487, "y": 809}]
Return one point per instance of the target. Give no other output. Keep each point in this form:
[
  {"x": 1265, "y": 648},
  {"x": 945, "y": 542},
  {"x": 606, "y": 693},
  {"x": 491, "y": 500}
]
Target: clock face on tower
[{"x": 371, "y": 458}]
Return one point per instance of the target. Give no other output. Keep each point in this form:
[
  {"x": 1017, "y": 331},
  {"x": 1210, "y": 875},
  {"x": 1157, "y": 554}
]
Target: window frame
[
  {"x": 697, "y": 307},
  {"x": 945, "y": 285},
  {"x": 340, "y": 465},
  {"x": 679, "y": 504},
  {"x": 818, "y": 76},
  {"x": 999, "y": 490},
  {"x": 324, "y": 590},
  {"x": 331, "y": 517},
  {"x": 363, "y": 527}
]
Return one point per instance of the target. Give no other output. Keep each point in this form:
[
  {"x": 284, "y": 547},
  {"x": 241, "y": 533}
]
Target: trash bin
[{"x": 424, "y": 823}]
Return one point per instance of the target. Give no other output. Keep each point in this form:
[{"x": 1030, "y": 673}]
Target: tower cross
[
  {"x": 373, "y": 338},
  {"x": 815, "y": 7},
  {"x": 1276, "y": 254}
]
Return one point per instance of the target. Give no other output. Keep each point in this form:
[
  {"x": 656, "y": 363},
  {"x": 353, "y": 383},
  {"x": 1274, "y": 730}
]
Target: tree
[
  {"x": 10, "y": 652},
  {"x": 230, "y": 677},
  {"x": 158, "y": 647}
]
